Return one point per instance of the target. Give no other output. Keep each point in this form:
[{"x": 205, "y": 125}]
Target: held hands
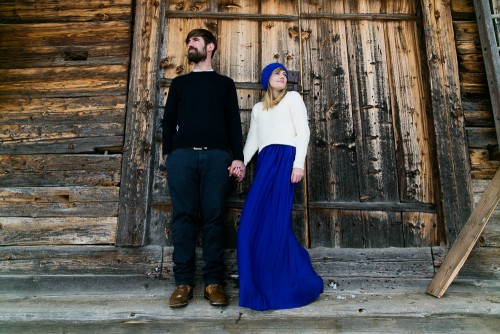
[
  {"x": 237, "y": 169},
  {"x": 297, "y": 175}
]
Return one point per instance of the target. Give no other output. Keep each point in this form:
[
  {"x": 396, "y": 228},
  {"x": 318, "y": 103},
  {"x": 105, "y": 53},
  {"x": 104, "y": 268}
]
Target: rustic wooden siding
[
  {"x": 484, "y": 260},
  {"x": 63, "y": 87},
  {"x": 476, "y": 103}
]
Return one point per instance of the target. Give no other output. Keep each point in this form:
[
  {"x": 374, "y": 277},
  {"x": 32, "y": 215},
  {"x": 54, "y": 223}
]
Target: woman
[{"x": 274, "y": 270}]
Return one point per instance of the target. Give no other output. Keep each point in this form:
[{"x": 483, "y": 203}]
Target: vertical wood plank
[
  {"x": 280, "y": 40},
  {"x": 411, "y": 124},
  {"x": 138, "y": 146},
  {"x": 373, "y": 119},
  {"x": 332, "y": 153},
  {"x": 239, "y": 50},
  {"x": 453, "y": 161}
]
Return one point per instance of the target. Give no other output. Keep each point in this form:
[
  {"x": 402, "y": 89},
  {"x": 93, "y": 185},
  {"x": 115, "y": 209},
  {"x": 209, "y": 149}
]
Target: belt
[{"x": 204, "y": 148}]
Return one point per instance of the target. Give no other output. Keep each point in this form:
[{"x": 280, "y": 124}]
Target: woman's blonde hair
[{"x": 268, "y": 99}]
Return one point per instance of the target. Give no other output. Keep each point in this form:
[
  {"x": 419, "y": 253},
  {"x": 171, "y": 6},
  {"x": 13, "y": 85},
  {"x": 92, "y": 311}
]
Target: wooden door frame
[
  {"x": 137, "y": 161},
  {"x": 454, "y": 185},
  {"x": 454, "y": 175}
]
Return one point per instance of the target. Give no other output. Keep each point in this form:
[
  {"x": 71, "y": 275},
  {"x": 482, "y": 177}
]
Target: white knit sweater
[{"x": 285, "y": 123}]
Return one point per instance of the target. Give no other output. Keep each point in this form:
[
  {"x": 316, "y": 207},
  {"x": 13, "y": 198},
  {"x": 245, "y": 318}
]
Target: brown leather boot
[
  {"x": 181, "y": 296},
  {"x": 216, "y": 295}
]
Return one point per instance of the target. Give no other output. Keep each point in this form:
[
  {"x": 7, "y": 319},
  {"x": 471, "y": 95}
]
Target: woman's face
[{"x": 278, "y": 80}]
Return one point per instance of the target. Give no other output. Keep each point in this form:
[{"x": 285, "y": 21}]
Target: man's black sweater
[{"x": 202, "y": 111}]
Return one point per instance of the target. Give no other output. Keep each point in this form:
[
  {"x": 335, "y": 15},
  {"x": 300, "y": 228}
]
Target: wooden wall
[
  {"x": 63, "y": 87},
  {"x": 480, "y": 128},
  {"x": 64, "y": 69}
]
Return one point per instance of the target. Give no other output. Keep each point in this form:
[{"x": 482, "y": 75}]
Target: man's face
[{"x": 197, "y": 50}]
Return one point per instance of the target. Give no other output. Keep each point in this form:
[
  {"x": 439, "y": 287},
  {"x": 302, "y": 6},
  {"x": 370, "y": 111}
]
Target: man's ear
[{"x": 211, "y": 47}]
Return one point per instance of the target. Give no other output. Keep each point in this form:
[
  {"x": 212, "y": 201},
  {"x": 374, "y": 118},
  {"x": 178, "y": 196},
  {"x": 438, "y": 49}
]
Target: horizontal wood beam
[
  {"x": 455, "y": 190},
  {"x": 358, "y": 206},
  {"x": 271, "y": 17},
  {"x": 374, "y": 206}
]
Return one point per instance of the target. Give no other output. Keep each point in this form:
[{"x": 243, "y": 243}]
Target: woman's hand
[
  {"x": 297, "y": 175},
  {"x": 237, "y": 169}
]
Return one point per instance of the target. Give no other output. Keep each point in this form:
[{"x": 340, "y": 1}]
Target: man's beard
[{"x": 197, "y": 56}]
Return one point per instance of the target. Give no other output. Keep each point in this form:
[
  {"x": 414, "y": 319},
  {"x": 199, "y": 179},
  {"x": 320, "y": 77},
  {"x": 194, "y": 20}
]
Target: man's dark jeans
[{"x": 198, "y": 180}]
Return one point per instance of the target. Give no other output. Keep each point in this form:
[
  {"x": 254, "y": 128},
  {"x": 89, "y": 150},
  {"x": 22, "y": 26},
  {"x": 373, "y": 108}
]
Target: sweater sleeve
[
  {"x": 252, "y": 143},
  {"x": 299, "y": 118},
  {"x": 234, "y": 123},
  {"x": 169, "y": 121}
]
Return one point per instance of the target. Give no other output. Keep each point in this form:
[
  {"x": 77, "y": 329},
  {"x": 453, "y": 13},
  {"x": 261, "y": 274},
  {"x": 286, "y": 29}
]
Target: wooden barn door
[
  {"x": 370, "y": 176},
  {"x": 369, "y": 180}
]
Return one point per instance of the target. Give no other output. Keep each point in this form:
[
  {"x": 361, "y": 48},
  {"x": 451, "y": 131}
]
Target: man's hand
[{"x": 237, "y": 169}]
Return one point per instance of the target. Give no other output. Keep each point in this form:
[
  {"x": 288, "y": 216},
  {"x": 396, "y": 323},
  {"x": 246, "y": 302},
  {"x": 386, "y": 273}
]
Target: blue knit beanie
[{"x": 268, "y": 70}]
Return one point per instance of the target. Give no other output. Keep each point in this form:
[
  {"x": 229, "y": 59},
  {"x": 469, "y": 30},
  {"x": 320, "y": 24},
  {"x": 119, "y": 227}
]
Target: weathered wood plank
[
  {"x": 66, "y": 146},
  {"x": 65, "y": 81},
  {"x": 468, "y": 47},
  {"x": 489, "y": 34},
  {"x": 82, "y": 260},
  {"x": 420, "y": 229},
  {"x": 375, "y": 147},
  {"x": 413, "y": 147},
  {"x": 333, "y": 175},
  {"x": 57, "y": 231},
  {"x": 476, "y": 83},
  {"x": 239, "y": 45},
  {"x": 59, "y": 201},
  {"x": 471, "y": 63},
  {"x": 17, "y": 132},
  {"x": 482, "y": 167},
  {"x": 139, "y": 133},
  {"x": 477, "y": 111},
  {"x": 491, "y": 234},
  {"x": 108, "y": 109},
  {"x": 59, "y": 170},
  {"x": 144, "y": 311},
  {"x": 281, "y": 38},
  {"x": 451, "y": 145},
  {"x": 466, "y": 240},
  {"x": 373, "y": 206},
  {"x": 481, "y": 137},
  {"x": 60, "y": 56},
  {"x": 358, "y": 229},
  {"x": 345, "y": 262},
  {"x": 12, "y": 11},
  {"x": 483, "y": 263},
  {"x": 80, "y": 34},
  {"x": 462, "y": 6},
  {"x": 466, "y": 31}
]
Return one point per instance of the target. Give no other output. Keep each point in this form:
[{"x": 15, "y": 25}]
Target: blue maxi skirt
[{"x": 274, "y": 270}]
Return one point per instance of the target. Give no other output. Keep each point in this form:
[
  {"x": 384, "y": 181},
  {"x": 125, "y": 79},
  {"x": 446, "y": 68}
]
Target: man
[{"x": 201, "y": 131}]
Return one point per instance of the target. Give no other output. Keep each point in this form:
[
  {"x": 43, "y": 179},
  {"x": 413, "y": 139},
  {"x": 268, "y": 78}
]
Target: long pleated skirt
[{"x": 274, "y": 270}]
